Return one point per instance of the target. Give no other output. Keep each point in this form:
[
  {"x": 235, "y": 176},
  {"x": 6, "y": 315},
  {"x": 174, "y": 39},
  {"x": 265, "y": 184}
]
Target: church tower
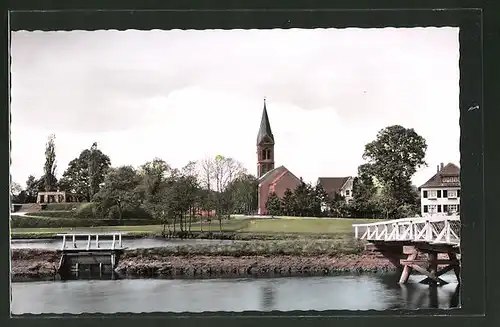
[{"x": 265, "y": 145}]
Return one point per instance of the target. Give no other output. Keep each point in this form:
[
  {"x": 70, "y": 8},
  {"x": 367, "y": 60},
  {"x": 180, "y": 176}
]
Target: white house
[
  {"x": 440, "y": 195},
  {"x": 339, "y": 185}
]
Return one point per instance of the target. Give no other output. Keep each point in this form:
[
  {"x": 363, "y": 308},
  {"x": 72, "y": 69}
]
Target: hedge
[{"x": 41, "y": 222}]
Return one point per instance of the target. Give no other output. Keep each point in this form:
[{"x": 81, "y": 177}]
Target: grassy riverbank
[
  {"x": 254, "y": 258},
  {"x": 240, "y": 228}
]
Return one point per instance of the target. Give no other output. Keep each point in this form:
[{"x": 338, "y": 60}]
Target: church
[{"x": 270, "y": 179}]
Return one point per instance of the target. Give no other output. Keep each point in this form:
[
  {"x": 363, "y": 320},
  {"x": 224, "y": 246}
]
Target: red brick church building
[{"x": 270, "y": 179}]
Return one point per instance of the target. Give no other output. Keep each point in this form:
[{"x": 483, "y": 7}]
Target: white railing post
[
  {"x": 113, "y": 244},
  {"x": 448, "y": 233},
  {"x": 88, "y": 243},
  {"x": 429, "y": 231},
  {"x": 74, "y": 241},
  {"x": 64, "y": 242},
  {"x": 120, "y": 240},
  {"x": 396, "y": 225},
  {"x": 356, "y": 232},
  {"x": 97, "y": 240}
]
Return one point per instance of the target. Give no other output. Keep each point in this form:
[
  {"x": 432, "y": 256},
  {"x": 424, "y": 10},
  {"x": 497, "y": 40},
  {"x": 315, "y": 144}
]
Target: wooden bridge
[
  {"x": 416, "y": 244},
  {"x": 89, "y": 252}
]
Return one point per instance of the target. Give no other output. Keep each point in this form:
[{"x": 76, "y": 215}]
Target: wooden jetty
[
  {"x": 96, "y": 252},
  {"x": 416, "y": 244}
]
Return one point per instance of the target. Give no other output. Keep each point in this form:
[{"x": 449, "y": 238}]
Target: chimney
[
  {"x": 442, "y": 165},
  {"x": 437, "y": 169}
]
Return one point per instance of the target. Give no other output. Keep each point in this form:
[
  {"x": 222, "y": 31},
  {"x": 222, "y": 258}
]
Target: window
[
  {"x": 432, "y": 194},
  {"x": 445, "y": 208},
  {"x": 432, "y": 208},
  {"x": 439, "y": 208},
  {"x": 438, "y": 193},
  {"x": 445, "y": 193},
  {"x": 452, "y": 179},
  {"x": 425, "y": 194},
  {"x": 452, "y": 194},
  {"x": 452, "y": 208},
  {"x": 347, "y": 192},
  {"x": 426, "y": 208}
]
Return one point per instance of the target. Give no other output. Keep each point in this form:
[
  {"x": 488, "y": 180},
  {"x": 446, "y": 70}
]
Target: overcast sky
[{"x": 183, "y": 95}]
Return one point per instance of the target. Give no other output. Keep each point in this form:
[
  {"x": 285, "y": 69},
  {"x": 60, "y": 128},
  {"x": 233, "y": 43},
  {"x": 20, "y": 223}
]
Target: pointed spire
[{"x": 265, "y": 127}]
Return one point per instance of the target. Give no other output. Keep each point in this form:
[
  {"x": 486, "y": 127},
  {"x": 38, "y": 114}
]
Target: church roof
[
  {"x": 450, "y": 170},
  {"x": 332, "y": 184},
  {"x": 272, "y": 173},
  {"x": 265, "y": 134},
  {"x": 275, "y": 174}
]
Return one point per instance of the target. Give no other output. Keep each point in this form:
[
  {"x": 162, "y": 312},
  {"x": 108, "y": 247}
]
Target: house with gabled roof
[
  {"x": 337, "y": 185},
  {"x": 440, "y": 195}
]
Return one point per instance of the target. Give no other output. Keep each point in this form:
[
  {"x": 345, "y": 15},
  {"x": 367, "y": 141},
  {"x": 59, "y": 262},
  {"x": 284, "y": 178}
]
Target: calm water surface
[
  {"x": 129, "y": 243},
  {"x": 363, "y": 292}
]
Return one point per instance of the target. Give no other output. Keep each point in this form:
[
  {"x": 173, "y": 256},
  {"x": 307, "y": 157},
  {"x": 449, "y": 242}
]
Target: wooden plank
[
  {"x": 407, "y": 269},
  {"x": 424, "y": 261},
  {"x": 409, "y": 249}
]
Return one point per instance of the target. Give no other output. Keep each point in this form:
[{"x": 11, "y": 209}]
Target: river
[
  {"x": 342, "y": 292},
  {"x": 53, "y": 244}
]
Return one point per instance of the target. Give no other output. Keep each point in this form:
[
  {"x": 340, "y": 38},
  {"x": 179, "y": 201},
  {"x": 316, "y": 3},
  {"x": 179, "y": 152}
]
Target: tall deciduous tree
[
  {"x": 85, "y": 173},
  {"x": 119, "y": 190},
  {"x": 393, "y": 158},
  {"x": 49, "y": 169}
]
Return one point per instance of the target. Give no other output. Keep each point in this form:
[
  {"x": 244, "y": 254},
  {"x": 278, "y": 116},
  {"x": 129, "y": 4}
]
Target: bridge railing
[
  {"x": 109, "y": 241},
  {"x": 435, "y": 229}
]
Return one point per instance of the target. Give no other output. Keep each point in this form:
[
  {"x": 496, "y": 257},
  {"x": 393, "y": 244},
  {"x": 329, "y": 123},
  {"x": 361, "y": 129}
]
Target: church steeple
[
  {"x": 265, "y": 145},
  {"x": 265, "y": 133}
]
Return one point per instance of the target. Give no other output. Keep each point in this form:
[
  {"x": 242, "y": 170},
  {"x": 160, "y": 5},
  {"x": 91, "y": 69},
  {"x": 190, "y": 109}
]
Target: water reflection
[
  {"x": 343, "y": 292},
  {"x": 268, "y": 297}
]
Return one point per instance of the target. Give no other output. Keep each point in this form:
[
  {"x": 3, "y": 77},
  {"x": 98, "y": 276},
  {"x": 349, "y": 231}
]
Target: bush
[
  {"x": 41, "y": 222},
  {"x": 53, "y": 214},
  {"x": 88, "y": 210},
  {"x": 134, "y": 213},
  {"x": 67, "y": 206}
]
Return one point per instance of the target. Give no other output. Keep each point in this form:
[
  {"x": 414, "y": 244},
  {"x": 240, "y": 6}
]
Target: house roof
[
  {"x": 450, "y": 170},
  {"x": 332, "y": 184},
  {"x": 265, "y": 134}
]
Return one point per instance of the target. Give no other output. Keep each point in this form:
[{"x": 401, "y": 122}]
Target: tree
[
  {"x": 273, "y": 205},
  {"x": 85, "y": 173},
  {"x": 31, "y": 188},
  {"x": 119, "y": 190},
  {"x": 393, "y": 158},
  {"x": 244, "y": 194},
  {"x": 321, "y": 199},
  {"x": 49, "y": 177},
  {"x": 288, "y": 203}
]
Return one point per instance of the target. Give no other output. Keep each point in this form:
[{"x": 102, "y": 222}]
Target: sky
[{"x": 183, "y": 95}]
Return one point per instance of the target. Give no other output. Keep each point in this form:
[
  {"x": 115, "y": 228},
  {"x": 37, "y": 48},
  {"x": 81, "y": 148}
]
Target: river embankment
[{"x": 258, "y": 258}]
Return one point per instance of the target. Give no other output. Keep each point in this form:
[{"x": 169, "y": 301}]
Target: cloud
[{"x": 184, "y": 94}]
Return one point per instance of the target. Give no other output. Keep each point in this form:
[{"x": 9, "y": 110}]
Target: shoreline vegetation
[
  {"x": 235, "y": 260},
  {"x": 262, "y": 247}
]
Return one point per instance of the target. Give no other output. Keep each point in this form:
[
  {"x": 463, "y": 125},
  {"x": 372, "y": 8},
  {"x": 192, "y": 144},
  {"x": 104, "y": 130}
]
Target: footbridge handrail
[
  {"x": 433, "y": 229},
  {"x": 110, "y": 241}
]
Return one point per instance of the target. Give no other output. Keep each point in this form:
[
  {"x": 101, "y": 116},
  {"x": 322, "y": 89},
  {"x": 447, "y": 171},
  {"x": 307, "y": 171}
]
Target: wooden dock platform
[
  {"x": 417, "y": 244},
  {"x": 94, "y": 252}
]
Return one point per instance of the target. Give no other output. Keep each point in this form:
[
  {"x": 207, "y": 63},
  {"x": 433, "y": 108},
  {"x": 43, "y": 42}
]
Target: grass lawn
[
  {"x": 304, "y": 225},
  {"x": 228, "y": 225},
  {"x": 335, "y": 226}
]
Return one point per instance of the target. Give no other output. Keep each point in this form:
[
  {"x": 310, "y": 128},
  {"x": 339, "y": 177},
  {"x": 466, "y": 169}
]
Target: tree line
[
  {"x": 381, "y": 189},
  {"x": 221, "y": 186}
]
